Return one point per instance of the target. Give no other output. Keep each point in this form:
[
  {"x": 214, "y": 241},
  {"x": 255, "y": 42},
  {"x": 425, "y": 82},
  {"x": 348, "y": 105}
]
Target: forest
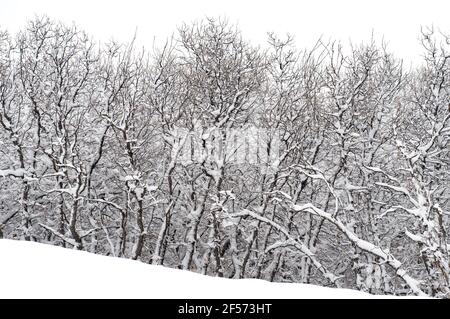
[{"x": 328, "y": 165}]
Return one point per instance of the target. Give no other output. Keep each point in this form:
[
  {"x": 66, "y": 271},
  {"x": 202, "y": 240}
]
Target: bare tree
[{"x": 327, "y": 166}]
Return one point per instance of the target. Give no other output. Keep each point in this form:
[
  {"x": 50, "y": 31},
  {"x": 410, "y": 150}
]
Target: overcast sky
[{"x": 397, "y": 21}]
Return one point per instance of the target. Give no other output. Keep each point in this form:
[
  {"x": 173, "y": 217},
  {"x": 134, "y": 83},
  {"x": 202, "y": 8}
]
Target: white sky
[{"x": 397, "y": 21}]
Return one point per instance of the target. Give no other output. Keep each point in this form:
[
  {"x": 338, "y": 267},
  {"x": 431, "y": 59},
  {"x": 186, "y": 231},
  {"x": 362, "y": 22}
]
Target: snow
[
  {"x": 12, "y": 172},
  {"x": 152, "y": 188},
  {"x": 33, "y": 270},
  {"x": 413, "y": 283}
]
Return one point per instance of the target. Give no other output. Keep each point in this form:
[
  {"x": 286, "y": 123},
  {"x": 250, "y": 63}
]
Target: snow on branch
[
  {"x": 299, "y": 245},
  {"x": 59, "y": 235},
  {"x": 365, "y": 246}
]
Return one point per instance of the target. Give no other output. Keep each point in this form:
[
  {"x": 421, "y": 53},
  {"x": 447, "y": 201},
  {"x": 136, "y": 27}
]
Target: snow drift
[{"x": 33, "y": 270}]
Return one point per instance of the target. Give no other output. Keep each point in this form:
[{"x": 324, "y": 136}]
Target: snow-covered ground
[{"x": 32, "y": 270}]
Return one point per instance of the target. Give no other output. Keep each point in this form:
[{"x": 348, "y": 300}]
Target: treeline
[{"x": 357, "y": 196}]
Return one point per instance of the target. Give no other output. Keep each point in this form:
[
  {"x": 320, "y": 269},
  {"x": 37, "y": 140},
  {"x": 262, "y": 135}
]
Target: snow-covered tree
[{"x": 328, "y": 166}]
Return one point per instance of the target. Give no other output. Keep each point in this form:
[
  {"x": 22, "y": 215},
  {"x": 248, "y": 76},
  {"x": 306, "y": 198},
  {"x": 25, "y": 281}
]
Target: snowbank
[{"x": 32, "y": 270}]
